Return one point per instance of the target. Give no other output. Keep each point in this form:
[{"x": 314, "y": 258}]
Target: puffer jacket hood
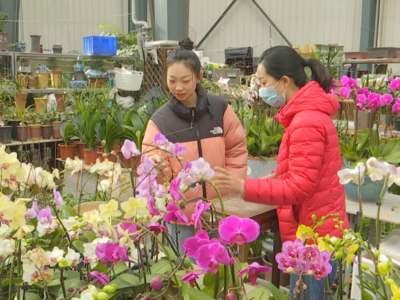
[{"x": 309, "y": 97}]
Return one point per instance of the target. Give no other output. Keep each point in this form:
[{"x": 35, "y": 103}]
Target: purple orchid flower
[
  {"x": 238, "y": 230},
  {"x": 363, "y": 91},
  {"x": 174, "y": 190},
  {"x": 174, "y": 214},
  {"x": 159, "y": 140},
  {"x": 201, "y": 169},
  {"x": 33, "y": 211},
  {"x": 152, "y": 209},
  {"x": 129, "y": 149},
  {"x": 396, "y": 108},
  {"x": 146, "y": 167},
  {"x": 344, "y": 81},
  {"x": 111, "y": 252},
  {"x": 208, "y": 257},
  {"x": 179, "y": 151},
  {"x": 101, "y": 277},
  {"x": 44, "y": 216},
  {"x": 344, "y": 92},
  {"x": 309, "y": 254},
  {"x": 192, "y": 245},
  {"x": 395, "y": 85},
  {"x": 58, "y": 200},
  {"x": 132, "y": 228},
  {"x": 373, "y": 100},
  {"x": 192, "y": 276},
  {"x": 199, "y": 210},
  {"x": 156, "y": 228},
  {"x": 253, "y": 270}
]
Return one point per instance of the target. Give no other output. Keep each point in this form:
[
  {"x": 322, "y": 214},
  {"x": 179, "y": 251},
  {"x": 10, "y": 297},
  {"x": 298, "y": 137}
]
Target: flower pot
[
  {"x": 20, "y": 100},
  {"x": 89, "y": 156},
  {"x": 43, "y": 80},
  {"x": 258, "y": 167},
  {"x": 3, "y": 41},
  {"x": 67, "y": 151},
  {"x": 365, "y": 120},
  {"x": 35, "y": 43},
  {"x": 47, "y": 131},
  {"x": 98, "y": 82},
  {"x": 128, "y": 163},
  {"x": 79, "y": 147},
  {"x": 23, "y": 81},
  {"x": 56, "y": 129},
  {"x": 386, "y": 119},
  {"x": 88, "y": 206},
  {"x": 370, "y": 190},
  {"x": 110, "y": 157},
  {"x": 79, "y": 75},
  {"x": 396, "y": 125},
  {"x": 35, "y": 131},
  {"x": 55, "y": 76},
  {"x": 22, "y": 133},
  {"x": 5, "y": 134},
  {"x": 60, "y": 102},
  {"x": 41, "y": 105},
  {"x": 14, "y": 125},
  {"x": 32, "y": 82}
]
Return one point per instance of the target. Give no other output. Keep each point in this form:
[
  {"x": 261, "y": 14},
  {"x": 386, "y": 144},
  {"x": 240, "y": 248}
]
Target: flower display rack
[{"x": 154, "y": 69}]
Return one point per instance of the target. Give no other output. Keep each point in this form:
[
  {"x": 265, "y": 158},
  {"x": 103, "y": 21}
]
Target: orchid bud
[
  {"x": 377, "y": 253},
  {"x": 103, "y": 143},
  {"x": 290, "y": 270},
  {"x": 231, "y": 296},
  {"x": 102, "y": 296},
  {"x": 364, "y": 266},
  {"x": 389, "y": 281},
  {"x": 384, "y": 268},
  {"x": 156, "y": 283}
]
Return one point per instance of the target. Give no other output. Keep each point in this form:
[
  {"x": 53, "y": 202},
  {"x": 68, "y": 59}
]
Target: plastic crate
[{"x": 100, "y": 45}]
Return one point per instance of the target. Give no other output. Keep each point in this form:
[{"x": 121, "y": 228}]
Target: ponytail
[{"x": 319, "y": 73}]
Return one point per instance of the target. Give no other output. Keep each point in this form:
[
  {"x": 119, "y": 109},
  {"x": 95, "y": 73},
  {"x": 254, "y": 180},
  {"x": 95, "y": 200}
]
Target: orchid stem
[
  {"x": 359, "y": 256},
  {"x": 219, "y": 196}
]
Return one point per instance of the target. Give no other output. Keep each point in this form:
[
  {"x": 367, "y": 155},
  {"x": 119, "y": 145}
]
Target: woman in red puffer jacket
[{"x": 306, "y": 181}]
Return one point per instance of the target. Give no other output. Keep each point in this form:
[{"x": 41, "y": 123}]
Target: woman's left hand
[{"x": 224, "y": 179}]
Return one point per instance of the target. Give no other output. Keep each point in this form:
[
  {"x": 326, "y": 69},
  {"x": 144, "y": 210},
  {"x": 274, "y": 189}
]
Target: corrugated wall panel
[
  {"x": 62, "y": 22},
  {"x": 302, "y": 22}
]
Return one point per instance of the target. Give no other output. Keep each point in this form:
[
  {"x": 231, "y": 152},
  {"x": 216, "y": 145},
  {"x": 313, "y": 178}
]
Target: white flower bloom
[
  {"x": 74, "y": 165},
  {"x": 377, "y": 170},
  {"x": 394, "y": 176},
  {"x": 54, "y": 255},
  {"x": 30, "y": 273},
  {"x": 89, "y": 254},
  {"x": 357, "y": 174},
  {"x": 223, "y": 83},
  {"x": 72, "y": 256},
  {"x": 104, "y": 186},
  {"x": 5, "y": 231},
  {"x": 160, "y": 204},
  {"x": 7, "y": 248}
]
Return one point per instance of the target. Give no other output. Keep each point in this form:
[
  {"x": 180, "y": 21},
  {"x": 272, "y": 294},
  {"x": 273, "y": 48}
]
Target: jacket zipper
[{"x": 193, "y": 123}]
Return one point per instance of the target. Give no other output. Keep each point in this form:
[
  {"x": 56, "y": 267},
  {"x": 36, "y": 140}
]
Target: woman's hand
[
  {"x": 227, "y": 180},
  {"x": 161, "y": 166},
  {"x": 270, "y": 176}
]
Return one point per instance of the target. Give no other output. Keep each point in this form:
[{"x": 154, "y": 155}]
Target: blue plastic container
[{"x": 100, "y": 45}]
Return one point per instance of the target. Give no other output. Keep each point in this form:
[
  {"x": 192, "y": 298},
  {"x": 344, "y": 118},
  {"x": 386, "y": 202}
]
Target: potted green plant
[
  {"x": 5, "y": 128},
  {"x": 41, "y": 100},
  {"x": 3, "y": 35},
  {"x": 67, "y": 149},
  {"x": 56, "y": 124},
  {"x": 110, "y": 133},
  {"x": 19, "y": 83},
  {"x": 46, "y": 127},
  {"x": 90, "y": 138},
  {"x": 22, "y": 129},
  {"x": 34, "y": 126}
]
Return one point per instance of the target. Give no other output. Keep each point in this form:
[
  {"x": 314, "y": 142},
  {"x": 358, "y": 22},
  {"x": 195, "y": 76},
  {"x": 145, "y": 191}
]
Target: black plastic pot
[
  {"x": 396, "y": 125},
  {"x": 5, "y": 134},
  {"x": 14, "y": 125}
]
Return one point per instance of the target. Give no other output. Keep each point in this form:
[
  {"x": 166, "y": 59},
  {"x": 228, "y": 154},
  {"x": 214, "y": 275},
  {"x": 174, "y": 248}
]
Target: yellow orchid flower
[
  {"x": 22, "y": 201},
  {"x": 125, "y": 239},
  {"x": 92, "y": 217},
  {"x": 384, "y": 268},
  {"x": 22, "y": 231},
  {"x": 304, "y": 232},
  {"x": 350, "y": 250},
  {"x": 18, "y": 219},
  {"x": 395, "y": 292},
  {"x": 134, "y": 207},
  {"x": 6, "y": 208},
  {"x": 109, "y": 210},
  {"x": 322, "y": 245}
]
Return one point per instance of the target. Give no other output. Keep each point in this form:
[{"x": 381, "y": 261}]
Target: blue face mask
[{"x": 270, "y": 96}]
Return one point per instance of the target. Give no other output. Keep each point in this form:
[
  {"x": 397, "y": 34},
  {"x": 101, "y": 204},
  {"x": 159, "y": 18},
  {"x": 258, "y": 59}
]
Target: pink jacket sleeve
[
  {"x": 306, "y": 152},
  {"x": 235, "y": 144}
]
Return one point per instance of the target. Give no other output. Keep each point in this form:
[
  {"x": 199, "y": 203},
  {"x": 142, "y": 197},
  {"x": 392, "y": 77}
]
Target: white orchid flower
[
  {"x": 223, "y": 83},
  {"x": 357, "y": 174},
  {"x": 377, "y": 170},
  {"x": 394, "y": 175}
]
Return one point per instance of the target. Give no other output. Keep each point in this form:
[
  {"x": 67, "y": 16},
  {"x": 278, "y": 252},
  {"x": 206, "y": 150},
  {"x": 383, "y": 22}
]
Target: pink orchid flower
[
  {"x": 174, "y": 190},
  {"x": 192, "y": 276},
  {"x": 33, "y": 211},
  {"x": 199, "y": 210},
  {"x": 192, "y": 245},
  {"x": 132, "y": 228},
  {"x": 179, "y": 151},
  {"x": 201, "y": 169},
  {"x": 395, "y": 85},
  {"x": 58, "y": 200},
  {"x": 44, "y": 216},
  {"x": 146, "y": 167},
  {"x": 208, "y": 257},
  {"x": 386, "y": 99},
  {"x": 174, "y": 214},
  {"x": 396, "y": 108},
  {"x": 363, "y": 91},
  {"x": 102, "y": 278},
  {"x": 344, "y": 92},
  {"x": 111, "y": 252},
  {"x": 344, "y": 81},
  {"x": 159, "y": 140},
  {"x": 238, "y": 230},
  {"x": 129, "y": 149},
  {"x": 156, "y": 228},
  {"x": 253, "y": 270}
]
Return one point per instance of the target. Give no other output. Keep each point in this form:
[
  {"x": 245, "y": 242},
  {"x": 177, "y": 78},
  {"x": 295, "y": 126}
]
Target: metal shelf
[
  {"x": 371, "y": 61},
  {"x": 28, "y": 142},
  {"x": 71, "y": 56}
]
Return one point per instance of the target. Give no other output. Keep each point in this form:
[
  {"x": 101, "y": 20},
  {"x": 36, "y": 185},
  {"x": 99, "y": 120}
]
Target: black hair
[
  {"x": 279, "y": 61},
  {"x": 186, "y": 56}
]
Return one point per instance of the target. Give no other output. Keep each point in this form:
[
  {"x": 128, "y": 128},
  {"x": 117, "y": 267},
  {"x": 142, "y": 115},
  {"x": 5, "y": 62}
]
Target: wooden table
[{"x": 265, "y": 215}]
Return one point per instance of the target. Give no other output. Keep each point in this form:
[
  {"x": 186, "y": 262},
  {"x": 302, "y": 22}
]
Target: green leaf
[
  {"x": 100, "y": 267},
  {"x": 260, "y": 294},
  {"x": 393, "y": 158},
  {"x": 79, "y": 245},
  {"x": 120, "y": 267},
  {"x": 32, "y": 296},
  {"x": 209, "y": 279},
  {"x": 365, "y": 295},
  {"x": 388, "y": 148},
  {"x": 124, "y": 281},
  {"x": 195, "y": 294},
  {"x": 66, "y": 211},
  {"x": 90, "y": 235},
  {"x": 161, "y": 267},
  {"x": 276, "y": 293}
]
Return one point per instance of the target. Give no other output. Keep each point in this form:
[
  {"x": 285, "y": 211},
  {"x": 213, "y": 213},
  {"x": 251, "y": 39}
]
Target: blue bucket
[{"x": 370, "y": 190}]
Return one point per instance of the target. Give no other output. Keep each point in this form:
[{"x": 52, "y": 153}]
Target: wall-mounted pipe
[
  {"x": 163, "y": 43},
  {"x": 133, "y": 16}
]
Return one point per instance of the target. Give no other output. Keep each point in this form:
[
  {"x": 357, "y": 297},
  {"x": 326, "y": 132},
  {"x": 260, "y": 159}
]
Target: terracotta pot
[
  {"x": 60, "y": 102},
  {"x": 56, "y": 76},
  {"x": 43, "y": 80},
  {"x": 23, "y": 81},
  {"x": 128, "y": 163},
  {"x": 22, "y": 133},
  {"x": 20, "y": 100},
  {"x": 56, "y": 129},
  {"x": 67, "y": 151},
  {"x": 98, "y": 82},
  {"x": 47, "y": 131},
  {"x": 79, "y": 147},
  {"x": 35, "y": 131},
  {"x": 32, "y": 82},
  {"x": 89, "y": 156},
  {"x": 41, "y": 105},
  {"x": 88, "y": 206},
  {"x": 5, "y": 134},
  {"x": 110, "y": 157}
]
